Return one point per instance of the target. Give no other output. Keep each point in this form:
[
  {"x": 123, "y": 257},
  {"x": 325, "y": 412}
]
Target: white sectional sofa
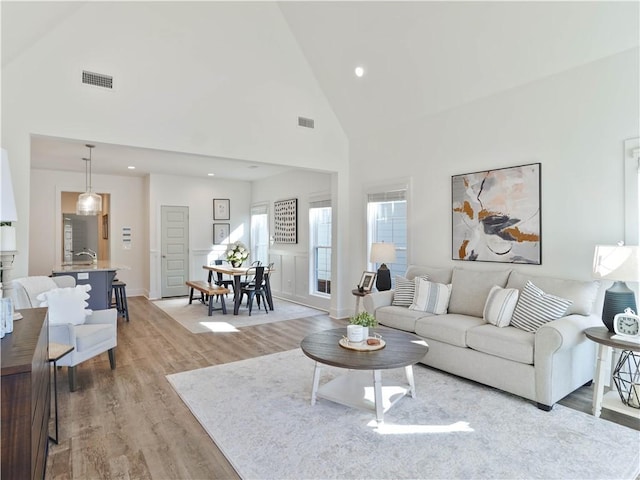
[{"x": 543, "y": 366}]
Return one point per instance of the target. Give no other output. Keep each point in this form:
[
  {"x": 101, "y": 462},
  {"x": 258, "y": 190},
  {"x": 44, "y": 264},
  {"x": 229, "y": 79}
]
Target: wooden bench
[{"x": 208, "y": 289}]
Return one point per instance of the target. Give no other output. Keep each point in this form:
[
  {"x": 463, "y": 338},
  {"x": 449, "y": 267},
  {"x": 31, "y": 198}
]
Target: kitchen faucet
[{"x": 90, "y": 253}]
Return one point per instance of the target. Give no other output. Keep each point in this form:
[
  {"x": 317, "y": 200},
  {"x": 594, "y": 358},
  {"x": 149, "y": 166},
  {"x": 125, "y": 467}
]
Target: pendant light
[{"x": 89, "y": 203}]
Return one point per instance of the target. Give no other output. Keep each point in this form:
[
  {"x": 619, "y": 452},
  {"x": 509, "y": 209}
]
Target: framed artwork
[
  {"x": 285, "y": 213},
  {"x": 105, "y": 226},
  {"x": 366, "y": 282},
  {"x": 221, "y": 209},
  {"x": 496, "y": 215},
  {"x": 221, "y": 233}
]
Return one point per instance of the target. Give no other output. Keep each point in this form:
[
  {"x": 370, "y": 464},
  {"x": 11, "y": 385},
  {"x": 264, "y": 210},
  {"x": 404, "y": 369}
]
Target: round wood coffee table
[{"x": 402, "y": 350}]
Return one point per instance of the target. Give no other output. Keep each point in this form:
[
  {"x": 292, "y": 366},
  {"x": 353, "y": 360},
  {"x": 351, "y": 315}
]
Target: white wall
[
  {"x": 574, "y": 123},
  {"x": 128, "y": 206},
  {"x": 198, "y": 195},
  {"x": 212, "y": 78},
  {"x": 291, "y": 280}
]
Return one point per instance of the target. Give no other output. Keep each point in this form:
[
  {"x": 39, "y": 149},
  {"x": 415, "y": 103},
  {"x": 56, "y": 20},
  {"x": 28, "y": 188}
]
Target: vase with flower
[{"x": 237, "y": 254}]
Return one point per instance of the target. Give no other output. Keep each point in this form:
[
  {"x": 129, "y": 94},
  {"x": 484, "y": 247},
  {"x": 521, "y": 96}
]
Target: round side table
[
  {"x": 607, "y": 342},
  {"x": 358, "y": 294}
]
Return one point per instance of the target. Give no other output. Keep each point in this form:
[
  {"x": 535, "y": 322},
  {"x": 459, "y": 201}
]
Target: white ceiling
[{"x": 420, "y": 58}]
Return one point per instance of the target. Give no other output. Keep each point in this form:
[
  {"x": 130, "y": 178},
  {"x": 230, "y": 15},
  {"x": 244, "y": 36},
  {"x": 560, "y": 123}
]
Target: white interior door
[{"x": 175, "y": 250}]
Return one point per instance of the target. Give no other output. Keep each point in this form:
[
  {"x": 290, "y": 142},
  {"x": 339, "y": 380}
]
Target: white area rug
[
  {"x": 258, "y": 412},
  {"x": 194, "y": 317}
]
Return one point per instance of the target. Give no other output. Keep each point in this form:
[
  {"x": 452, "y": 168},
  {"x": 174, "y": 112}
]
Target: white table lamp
[{"x": 383, "y": 253}]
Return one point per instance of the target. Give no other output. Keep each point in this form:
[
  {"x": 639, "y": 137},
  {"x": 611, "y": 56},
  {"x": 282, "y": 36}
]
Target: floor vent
[
  {"x": 97, "y": 79},
  {"x": 306, "y": 122}
]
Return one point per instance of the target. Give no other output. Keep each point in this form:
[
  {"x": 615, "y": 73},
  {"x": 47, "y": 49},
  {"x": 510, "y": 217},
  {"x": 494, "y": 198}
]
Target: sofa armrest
[
  {"x": 564, "y": 333},
  {"x": 375, "y": 300},
  {"x": 564, "y": 358},
  {"x": 109, "y": 316}
]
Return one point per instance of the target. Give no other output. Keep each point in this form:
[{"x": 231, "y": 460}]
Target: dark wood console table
[{"x": 26, "y": 396}]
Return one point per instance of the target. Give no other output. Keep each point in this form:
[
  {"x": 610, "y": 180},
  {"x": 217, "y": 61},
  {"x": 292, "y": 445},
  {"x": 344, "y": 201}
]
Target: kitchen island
[{"x": 99, "y": 275}]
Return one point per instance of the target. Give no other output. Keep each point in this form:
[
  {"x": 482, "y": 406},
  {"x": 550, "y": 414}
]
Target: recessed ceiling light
[
  {"x": 131, "y": 167},
  {"x": 210, "y": 174},
  {"x": 359, "y": 71}
]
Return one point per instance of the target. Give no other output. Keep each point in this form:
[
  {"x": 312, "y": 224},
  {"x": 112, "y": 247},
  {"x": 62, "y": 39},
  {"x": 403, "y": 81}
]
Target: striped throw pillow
[
  {"x": 500, "y": 304},
  {"x": 404, "y": 291},
  {"x": 535, "y": 308},
  {"x": 431, "y": 297}
]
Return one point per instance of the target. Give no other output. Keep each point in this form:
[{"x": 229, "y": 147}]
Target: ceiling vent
[
  {"x": 306, "y": 122},
  {"x": 97, "y": 79}
]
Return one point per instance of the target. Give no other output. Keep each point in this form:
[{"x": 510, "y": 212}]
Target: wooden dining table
[{"x": 237, "y": 273}]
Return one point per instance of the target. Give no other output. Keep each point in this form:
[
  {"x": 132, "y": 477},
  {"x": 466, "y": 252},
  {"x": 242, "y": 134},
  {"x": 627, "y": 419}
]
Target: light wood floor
[{"x": 130, "y": 424}]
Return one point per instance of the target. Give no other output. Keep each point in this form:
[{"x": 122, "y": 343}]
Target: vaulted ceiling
[{"x": 419, "y": 58}]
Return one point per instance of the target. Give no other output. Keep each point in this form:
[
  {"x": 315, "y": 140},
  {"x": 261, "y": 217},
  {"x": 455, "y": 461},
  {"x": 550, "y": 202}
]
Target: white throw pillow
[
  {"x": 500, "y": 304},
  {"x": 535, "y": 308},
  {"x": 67, "y": 305},
  {"x": 431, "y": 297}
]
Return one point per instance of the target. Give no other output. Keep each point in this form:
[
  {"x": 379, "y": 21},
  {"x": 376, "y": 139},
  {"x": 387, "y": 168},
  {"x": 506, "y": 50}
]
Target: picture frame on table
[
  {"x": 366, "y": 281},
  {"x": 221, "y": 233},
  {"x": 221, "y": 209}
]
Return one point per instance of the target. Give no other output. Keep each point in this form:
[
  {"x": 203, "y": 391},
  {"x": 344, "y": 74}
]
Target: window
[
  {"x": 387, "y": 222},
  {"x": 260, "y": 233},
  {"x": 320, "y": 246}
]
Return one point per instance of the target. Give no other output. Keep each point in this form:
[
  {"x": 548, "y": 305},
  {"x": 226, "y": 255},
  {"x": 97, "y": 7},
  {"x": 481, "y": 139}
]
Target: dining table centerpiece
[{"x": 237, "y": 253}]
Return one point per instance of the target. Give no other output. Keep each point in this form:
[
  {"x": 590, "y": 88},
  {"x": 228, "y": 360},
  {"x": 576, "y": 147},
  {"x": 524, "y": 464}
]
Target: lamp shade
[
  {"x": 7, "y": 200},
  {"x": 89, "y": 203},
  {"x": 616, "y": 262},
  {"x": 382, "y": 253}
]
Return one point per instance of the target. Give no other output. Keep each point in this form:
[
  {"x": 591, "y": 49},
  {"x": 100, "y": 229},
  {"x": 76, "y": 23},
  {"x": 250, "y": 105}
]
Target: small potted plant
[{"x": 366, "y": 320}]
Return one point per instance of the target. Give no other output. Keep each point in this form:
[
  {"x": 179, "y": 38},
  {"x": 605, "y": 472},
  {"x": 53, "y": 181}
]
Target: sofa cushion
[
  {"x": 501, "y": 302},
  {"x": 582, "y": 294},
  {"x": 90, "y": 335},
  {"x": 535, "y": 308},
  {"x": 404, "y": 291},
  {"x": 438, "y": 275},
  {"x": 510, "y": 343},
  {"x": 448, "y": 328},
  {"x": 399, "y": 317},
  {"x": 430, "y": 297},
  {"x": 469, "y": 289},
  {"x": 66, "y": 305}
]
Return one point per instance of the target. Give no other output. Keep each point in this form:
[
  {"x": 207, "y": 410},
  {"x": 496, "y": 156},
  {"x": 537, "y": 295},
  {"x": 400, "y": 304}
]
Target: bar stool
[{"x": 120, "y": 293}]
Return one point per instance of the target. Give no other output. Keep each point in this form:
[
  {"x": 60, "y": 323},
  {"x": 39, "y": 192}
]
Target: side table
[
  {"x": 56, "y": 352},
  {"x": 606, "y": 344},
  {"x": 358, "y": 294}
]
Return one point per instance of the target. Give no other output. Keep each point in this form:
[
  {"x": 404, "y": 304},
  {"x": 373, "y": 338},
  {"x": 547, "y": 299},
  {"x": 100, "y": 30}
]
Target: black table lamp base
[
  {"x": 383, "y": 279},
  {"x": 616, "y": 299}
]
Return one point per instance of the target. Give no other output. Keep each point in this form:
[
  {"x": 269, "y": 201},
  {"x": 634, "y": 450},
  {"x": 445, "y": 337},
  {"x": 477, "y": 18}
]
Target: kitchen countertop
[{"x": 102, "y": 265}]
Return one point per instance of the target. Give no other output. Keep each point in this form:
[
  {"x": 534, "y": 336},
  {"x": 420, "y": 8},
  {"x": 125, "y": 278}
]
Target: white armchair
[{"x": 98, "y": 334}]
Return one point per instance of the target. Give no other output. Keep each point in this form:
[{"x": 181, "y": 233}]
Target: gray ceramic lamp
[
  {"x": 383, "y": 253},
  {"x": 621, "y": 264}
]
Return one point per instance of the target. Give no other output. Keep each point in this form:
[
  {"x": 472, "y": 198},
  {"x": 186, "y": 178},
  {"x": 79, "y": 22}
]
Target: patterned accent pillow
[
  {"x": 500, "y": 304},
  {"x": 535, "y": 308},
  {"x": 404, "y": 292},
  {"x": 431, "y": 297}
]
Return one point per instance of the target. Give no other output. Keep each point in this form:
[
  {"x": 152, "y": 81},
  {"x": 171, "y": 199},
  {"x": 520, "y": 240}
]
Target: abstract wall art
[
  {"x": 285, "y": 214},
  {"x": 496, "y": 215}
]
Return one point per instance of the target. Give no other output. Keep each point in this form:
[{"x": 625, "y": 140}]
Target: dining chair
[{"x": 256, "y": 289}]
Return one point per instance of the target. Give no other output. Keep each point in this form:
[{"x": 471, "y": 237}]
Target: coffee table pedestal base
[{"x": 362, "y": 389}]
